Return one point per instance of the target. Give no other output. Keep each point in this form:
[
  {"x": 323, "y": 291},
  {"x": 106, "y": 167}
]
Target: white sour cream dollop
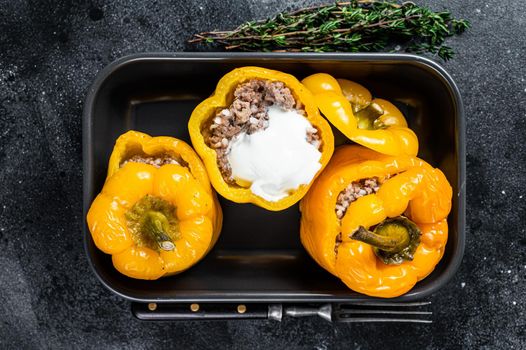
[{"x": 276, "y": 160}]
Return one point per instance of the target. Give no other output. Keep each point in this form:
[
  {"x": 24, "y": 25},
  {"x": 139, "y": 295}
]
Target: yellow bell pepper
[
  {"x": 409, "y": 212},
  {"x": 374, "y": 123},
  {"x": 221, "y": 98},
  {"x": 155, "y": 221}
]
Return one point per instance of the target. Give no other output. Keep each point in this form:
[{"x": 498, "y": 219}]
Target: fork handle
[
  {"x": 200, "y": 312},
  {"x": 324, "y": 311}
]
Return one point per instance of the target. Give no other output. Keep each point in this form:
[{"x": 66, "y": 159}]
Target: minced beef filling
[
  {"x": 351, "y": 193},
  {"x": 248, "y": 113},
  {"x": 155, "y": 161},
  {"x": 354, "y": 191}
]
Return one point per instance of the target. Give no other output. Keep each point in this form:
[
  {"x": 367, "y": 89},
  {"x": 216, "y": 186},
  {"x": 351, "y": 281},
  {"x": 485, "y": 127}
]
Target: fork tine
[
  {"x": 355, "y": 312},
  {"x": 393, "y": 304},
  {"x": 385, "y": 312},
  {"x": 374, "y": 319}
]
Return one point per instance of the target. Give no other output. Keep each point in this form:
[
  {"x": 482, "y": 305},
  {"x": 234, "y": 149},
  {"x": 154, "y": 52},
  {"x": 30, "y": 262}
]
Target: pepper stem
[
  {"x": 156, "y": 225},
  {"x": 366, "y": 117},
  {"x": 394, "y": 240},
  {"x": 386, "y": 243}
]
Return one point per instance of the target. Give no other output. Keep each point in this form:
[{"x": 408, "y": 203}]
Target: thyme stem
[{"x": 353, "y": 26}]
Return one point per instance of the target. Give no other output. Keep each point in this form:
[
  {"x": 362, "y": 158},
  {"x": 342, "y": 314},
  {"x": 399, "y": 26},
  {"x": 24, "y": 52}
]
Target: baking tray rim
[{"x": 265, "y": 297}]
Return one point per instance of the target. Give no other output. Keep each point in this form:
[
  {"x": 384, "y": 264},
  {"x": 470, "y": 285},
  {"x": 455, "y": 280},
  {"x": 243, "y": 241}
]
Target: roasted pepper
[
  {"x": 374, "y": 123},
  {"x": 221, "y": 98},
  {"x": 157, "y": 214},
  {"x": 407, "y": 210}
]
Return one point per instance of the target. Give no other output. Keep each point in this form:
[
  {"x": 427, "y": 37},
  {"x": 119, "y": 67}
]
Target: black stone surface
[{"x": 49, "y": 298}]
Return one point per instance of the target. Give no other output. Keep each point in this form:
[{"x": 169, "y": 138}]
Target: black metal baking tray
[{"x": 258, "y": 257}]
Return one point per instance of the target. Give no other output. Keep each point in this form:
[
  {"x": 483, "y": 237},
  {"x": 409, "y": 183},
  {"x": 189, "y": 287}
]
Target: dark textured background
[{"x": 49, "y": 298}]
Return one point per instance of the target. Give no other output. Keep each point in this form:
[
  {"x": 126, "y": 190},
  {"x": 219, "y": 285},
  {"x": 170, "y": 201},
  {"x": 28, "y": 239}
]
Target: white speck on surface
[
  {"x": 509, "y": 271},
  {"x": 508, "y": 51},
  {"x": 520, "y": 197},
  {"x": 462, "y": 285},
  {"x": 477, "y": 10},
  {"x": 514, "y": 302},
  {"x": 503, "y": 192}
]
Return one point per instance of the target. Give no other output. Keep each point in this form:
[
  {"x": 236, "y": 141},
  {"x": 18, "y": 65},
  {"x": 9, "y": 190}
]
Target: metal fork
[
  {"x": 408, "y": 312},
  {"x": 371, "y": 311}
]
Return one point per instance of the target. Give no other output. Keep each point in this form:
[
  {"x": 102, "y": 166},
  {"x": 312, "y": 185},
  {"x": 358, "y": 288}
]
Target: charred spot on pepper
[
  {"x": 394, "y": 240},
  {"x": 337, "y": 241},
  {"x": 248, "y": 113},
  {"x": 152, "y": 223}
]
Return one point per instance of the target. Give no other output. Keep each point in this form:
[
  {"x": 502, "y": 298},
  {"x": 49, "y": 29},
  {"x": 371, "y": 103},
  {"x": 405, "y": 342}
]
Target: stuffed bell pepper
[
  {"x": 374, "y": 123},
  {"x": 377, "y": 222},
  {"x": 261, "y": 138},
  {"x": 157, "y": 214}
]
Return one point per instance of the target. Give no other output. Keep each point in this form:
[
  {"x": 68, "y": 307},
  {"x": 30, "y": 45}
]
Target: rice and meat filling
[
  {"x": 351, "y": 193},
  {"x": 157, "y": 162},
  {"x": 248, "y": 113},
  {"x": 354, "y": 191}
]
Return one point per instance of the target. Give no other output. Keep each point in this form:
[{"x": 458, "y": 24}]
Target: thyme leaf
[{"x": 353, "y": 26}]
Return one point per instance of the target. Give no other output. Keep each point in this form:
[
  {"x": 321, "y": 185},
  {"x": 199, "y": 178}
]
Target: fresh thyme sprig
[{"x": 354, "y": 26}]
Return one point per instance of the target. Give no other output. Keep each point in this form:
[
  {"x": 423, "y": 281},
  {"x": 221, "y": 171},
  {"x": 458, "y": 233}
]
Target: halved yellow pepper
[
  {"x": 411, "y": 188},
  {"x": 373, "y": 123},
  {"x": 154, "y": 221},
  {"x": 221, "y": 98}
]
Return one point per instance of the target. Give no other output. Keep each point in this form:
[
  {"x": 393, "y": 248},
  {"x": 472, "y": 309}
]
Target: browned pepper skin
[{"x": 418, "y": 191}]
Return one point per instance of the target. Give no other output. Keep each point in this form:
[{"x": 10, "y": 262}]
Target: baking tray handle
[{"x": 203, "y": 312}]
